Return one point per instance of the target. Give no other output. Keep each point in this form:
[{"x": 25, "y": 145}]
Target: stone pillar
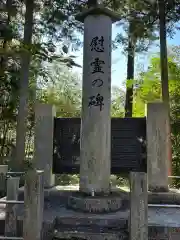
[
  {"x": 11, "y": 217},
  {"x": 157, "y": 146},
  {"x": 95, "y": 147},
  {"x": 138, "y": 227},
  {"x": 3, "y": 173},
  {"x": 33, "y": 205},
  {"x": 43, "y": 152}
]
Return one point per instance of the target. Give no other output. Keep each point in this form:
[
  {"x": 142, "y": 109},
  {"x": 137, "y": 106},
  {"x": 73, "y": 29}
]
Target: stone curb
[
  {"x": 164, "y": 198},
  {"x": 170, "y": 197},
  {"x": 89, "y": 235}
]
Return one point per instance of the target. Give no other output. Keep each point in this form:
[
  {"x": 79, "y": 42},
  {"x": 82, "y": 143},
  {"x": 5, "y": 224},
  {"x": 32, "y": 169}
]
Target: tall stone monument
[{"x": 95, "y": 147}]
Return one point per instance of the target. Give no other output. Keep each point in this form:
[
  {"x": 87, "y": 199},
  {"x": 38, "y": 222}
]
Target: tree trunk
[
  {"x": 3, "y": 76},
  {"x": 3, "y": 59},
  {"x": 130, "y": 73},
  {"x": 24, "y": 84},
  {"x": 164, "y": 69},
  {"x": 163, "y": 52}
]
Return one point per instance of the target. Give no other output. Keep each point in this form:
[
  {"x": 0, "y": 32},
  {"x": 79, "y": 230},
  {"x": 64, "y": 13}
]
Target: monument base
[{"x": 95, "y": 204}]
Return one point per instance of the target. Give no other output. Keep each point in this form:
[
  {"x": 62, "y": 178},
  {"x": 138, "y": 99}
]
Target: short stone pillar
[
  {"x": 138, "y": 226},
  {"x": 95, "y": 147},
  {"x": 157, "y": 146},
  {"x": 33, "y": 205},
  {"x": 11, "y": 217},
  {"x": 43, "y": 143},
  {"x": 3, "y": 173}
]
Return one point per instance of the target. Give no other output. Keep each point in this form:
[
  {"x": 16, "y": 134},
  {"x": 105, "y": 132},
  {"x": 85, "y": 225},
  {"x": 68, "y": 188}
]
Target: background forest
[{"x": 38, "y": 43}]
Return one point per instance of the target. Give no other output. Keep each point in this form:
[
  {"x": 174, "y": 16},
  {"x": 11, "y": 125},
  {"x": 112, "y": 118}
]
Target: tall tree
[
  {"x": 164, "y": 67},
  {"x": 8, "y": 78},
  {"x": 166, "y": 12},
  {"x": 163, "y": 11},
  {"x": 140, "y": 34},
  {"x": 163, "y": 51},
  {"x": 130, "y": 69},
  {"x": 24, "y": 84}
]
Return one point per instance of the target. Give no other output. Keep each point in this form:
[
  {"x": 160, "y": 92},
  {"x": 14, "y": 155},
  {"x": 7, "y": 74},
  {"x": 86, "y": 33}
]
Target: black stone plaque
[{"x": 128, "y": 145}]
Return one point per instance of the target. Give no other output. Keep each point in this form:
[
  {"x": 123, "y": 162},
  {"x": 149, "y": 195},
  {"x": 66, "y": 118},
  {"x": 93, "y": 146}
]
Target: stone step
[
  {"x": 106, "y": 222},
  {"x": 88, "y": 233},
  {"x": 98, "y": 233}
]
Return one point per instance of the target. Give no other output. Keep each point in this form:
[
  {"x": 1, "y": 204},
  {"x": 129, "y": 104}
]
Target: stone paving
[
  {"x": 165, "y": 219},
  {"x": 55, "y": 205}
]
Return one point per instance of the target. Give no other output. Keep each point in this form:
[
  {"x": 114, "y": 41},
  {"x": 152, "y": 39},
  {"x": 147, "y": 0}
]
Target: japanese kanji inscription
[
  {"x": 97, "y": 82},
  {"x": 97, "y": 65},
  {"x": 97, "y": 44},
  {"x": 96, "y": 101}
]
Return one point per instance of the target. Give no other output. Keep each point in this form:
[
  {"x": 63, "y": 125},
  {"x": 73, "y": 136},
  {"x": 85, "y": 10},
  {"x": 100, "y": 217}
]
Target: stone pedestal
[
  {"x": 95, "y": 204},
  {"x": 157, "y": 146},
  {"x": 43, "y": 152}
]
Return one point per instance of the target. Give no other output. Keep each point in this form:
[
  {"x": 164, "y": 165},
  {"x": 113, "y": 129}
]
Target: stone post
[
  {"x": 44, "y": 130},
  {"x": 95, "y": 147},
  {"x": 11, "y": 218},
  {"x": 157, "y": 146},
  {"x": 138, "y": 206},
  {"x": 33, "y": 205},
  {"x": 3, "y": 172}
]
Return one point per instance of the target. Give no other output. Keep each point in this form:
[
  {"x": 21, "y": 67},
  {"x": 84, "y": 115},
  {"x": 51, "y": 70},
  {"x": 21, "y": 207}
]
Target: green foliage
[
  {"x": 149, "y": 90},
  {"x": 66, "y": 179},
  {"x": 117, "y": 102},
  {"x": 62, "y": 90},
  {"x": 52, "y": 23}
]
